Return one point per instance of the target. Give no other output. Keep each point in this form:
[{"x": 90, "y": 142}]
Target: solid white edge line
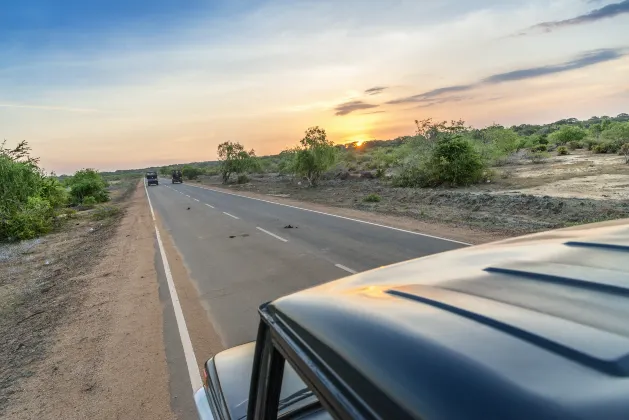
[
  {"x": 231, "y": 215},
  {"x": 342, "y": 267},
  {"x": 184, "y": 335},
  {"x": 209, "y": 205},
  {"x": 337, "y": 216},
  {"x": 272, "y": 234}
]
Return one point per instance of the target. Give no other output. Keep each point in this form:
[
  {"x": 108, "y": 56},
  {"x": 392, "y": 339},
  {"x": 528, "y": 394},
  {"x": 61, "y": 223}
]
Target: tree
[
  {"x": 568, "y": 133},
  {"x": 316, "y": 155},
  {"x": 235, "y": 159}
]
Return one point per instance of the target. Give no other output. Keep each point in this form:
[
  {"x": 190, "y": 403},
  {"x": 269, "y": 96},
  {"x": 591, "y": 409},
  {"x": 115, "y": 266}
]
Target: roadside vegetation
[
  {"x": 439, "y": 154},
  {"x": 34, "y": 203}
]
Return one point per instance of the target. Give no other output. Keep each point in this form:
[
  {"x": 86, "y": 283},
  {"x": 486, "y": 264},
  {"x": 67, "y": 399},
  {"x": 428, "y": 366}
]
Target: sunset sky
[{"x": 116, "y": 84}]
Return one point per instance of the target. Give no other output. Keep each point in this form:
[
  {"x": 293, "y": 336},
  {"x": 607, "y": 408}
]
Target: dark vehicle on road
[
  {"x": 151, "y": 178},
  {"x": 177, "y": 177},
  {"x": 527, "y": 328}
]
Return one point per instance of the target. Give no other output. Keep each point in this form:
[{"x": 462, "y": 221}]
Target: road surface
[{"x": 241, "y": 252}]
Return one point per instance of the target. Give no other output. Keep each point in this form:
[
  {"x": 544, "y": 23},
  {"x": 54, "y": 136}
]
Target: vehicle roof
[{"x": 531, "y": 327}]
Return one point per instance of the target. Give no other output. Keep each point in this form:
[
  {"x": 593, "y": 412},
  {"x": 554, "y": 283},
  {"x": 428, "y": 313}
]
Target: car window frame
[{"x": 267, "y": 378}]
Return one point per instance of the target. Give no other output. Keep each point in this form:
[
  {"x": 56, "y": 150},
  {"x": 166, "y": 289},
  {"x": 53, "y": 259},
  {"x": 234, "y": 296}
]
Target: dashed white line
[
  {"x": 231, "y": 215},
  {"x": 195, "y": 199},
  {"x": 272, "y": 234},
  {"x": 342, "y": 267},
  {"x": 184, "y": 335},
  {"x": 336, "y": 215},
  {"x": 210, "y": 206},
  {"x": 187, "y": 195}
]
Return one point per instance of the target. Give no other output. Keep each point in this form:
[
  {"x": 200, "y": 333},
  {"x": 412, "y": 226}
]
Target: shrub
[
  {"x": 590, "y": 143},
  {"x": 562, "y": 150},
  {"x": 89, "y": 201},
  {"x": 87, "y": 183},
  {"x": 372, "y": 198},
  {"x": 568, "y": 133},
  {"x": 539, "y": 148},
  {"x": 191, "y": 172},
  {"x": 242, "y": 179},
  {"x": 454, "y": 161},
  {"x": 236, "y": 160},
  {"x": 574, "y": 145},
  {"x": 542, "y": 140},
  {"x": 34, "y": 219},
  {"x": 28, "y": 198},
  {"x": 607, "y": 147}
]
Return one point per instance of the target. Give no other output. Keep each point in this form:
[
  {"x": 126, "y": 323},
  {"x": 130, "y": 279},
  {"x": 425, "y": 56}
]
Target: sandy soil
[{"x": 89, "y": 336}]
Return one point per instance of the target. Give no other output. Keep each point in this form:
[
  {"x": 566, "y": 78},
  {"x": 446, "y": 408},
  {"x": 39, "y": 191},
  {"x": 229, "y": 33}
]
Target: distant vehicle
[
  {"x": 177, "y": 176},
  {"x": 151, "y": 178},
  {"x": 528, "y": 328}
]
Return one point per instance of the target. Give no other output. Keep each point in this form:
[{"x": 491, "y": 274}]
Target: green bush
[
  {"x": 372, "y": 198},
  {"x": 191, "y": 172},
  {"x": 34, "y": 219},
  {"x": 87, "y": 183},
  {"x": 590, "y": 143},
  {"x": 574, "y": 145},
  {"x": 28, "y": 198},
  {"x": 242, "y": 179},
  {"x": 607, "y": 147},
  {"x": 455, "y": 162},
  {"x": 539, "y": 148},
  {"x": 568, "y": 133},
  {"x": 562, "y": 150},
  {"x": 89, "y": 201}
]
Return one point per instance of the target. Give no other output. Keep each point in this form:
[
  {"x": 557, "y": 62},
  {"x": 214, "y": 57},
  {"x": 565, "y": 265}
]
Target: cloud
[
  {"x": 375, "y": 90},
  {"x": 373, "y": 112},
  {"x": 349, "y": 107},
  {"x": 441, "y": 95},
  {"x": 605, "y": 12},
  {"x": 428, "y": 97},
  {"x": 585, "y": 60}
]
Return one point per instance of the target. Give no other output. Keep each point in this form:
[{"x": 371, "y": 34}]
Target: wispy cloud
[
  {"x": 605, "y": 12},
  {"x": 375, "y": 90},
  {"x": 50, "y": 108},
  {"x": 441, "y": 95},
  {"x": 349, "y": 107}
]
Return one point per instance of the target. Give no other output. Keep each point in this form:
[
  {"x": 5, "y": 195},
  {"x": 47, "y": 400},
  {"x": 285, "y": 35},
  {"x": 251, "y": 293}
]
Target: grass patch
[{"x": 372, "y": 198}]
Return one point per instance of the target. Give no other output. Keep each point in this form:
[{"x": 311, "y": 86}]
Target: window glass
[{"x": 295, "y": 394}]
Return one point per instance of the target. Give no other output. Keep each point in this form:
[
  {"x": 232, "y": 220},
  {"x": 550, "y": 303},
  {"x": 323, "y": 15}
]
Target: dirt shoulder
[{"x": 83, "y": 322}]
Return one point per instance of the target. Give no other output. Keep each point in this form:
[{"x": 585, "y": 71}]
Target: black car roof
[{"x": 529, "y": 328}]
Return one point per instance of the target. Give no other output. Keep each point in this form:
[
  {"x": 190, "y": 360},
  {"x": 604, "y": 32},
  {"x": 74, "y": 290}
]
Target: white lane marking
[
  {"x": 187, "y": 196},
  {"x": 337, "y": 216},
  {"x": 272, "y": 234},
  {"x": 209, "y": 205},
  {"x": 342, "y": 267},
  {"x": 231, "y": 215},
  {"x": 195, "y": 199},
  {"x": 184, "y": 335}
]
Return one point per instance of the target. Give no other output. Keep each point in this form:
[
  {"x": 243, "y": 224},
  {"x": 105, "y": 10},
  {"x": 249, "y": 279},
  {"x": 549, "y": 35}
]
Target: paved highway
[{"x": 240, "y": 253}]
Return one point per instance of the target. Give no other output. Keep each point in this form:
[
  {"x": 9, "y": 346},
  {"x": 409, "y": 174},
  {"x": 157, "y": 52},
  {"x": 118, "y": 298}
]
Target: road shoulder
[{"x": 107, "y": 359}]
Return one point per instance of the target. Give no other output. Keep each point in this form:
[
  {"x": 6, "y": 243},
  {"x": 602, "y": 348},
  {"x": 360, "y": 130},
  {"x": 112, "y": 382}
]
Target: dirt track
[{"x": 100, "y": 351}]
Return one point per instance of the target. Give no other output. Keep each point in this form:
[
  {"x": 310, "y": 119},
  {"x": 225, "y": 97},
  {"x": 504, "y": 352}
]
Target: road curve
[{"x": 241, "y": 252}]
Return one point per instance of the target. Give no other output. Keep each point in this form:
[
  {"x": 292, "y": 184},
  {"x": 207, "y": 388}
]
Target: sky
[{"x": 119, "y": 84}]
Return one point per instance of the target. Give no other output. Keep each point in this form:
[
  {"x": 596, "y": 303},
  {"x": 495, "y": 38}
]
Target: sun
[{"x": 359, "y": 139}]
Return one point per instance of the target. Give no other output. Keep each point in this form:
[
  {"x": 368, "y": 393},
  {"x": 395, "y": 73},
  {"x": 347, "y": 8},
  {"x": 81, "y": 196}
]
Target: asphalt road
[{"x": 240, "y": 253}]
